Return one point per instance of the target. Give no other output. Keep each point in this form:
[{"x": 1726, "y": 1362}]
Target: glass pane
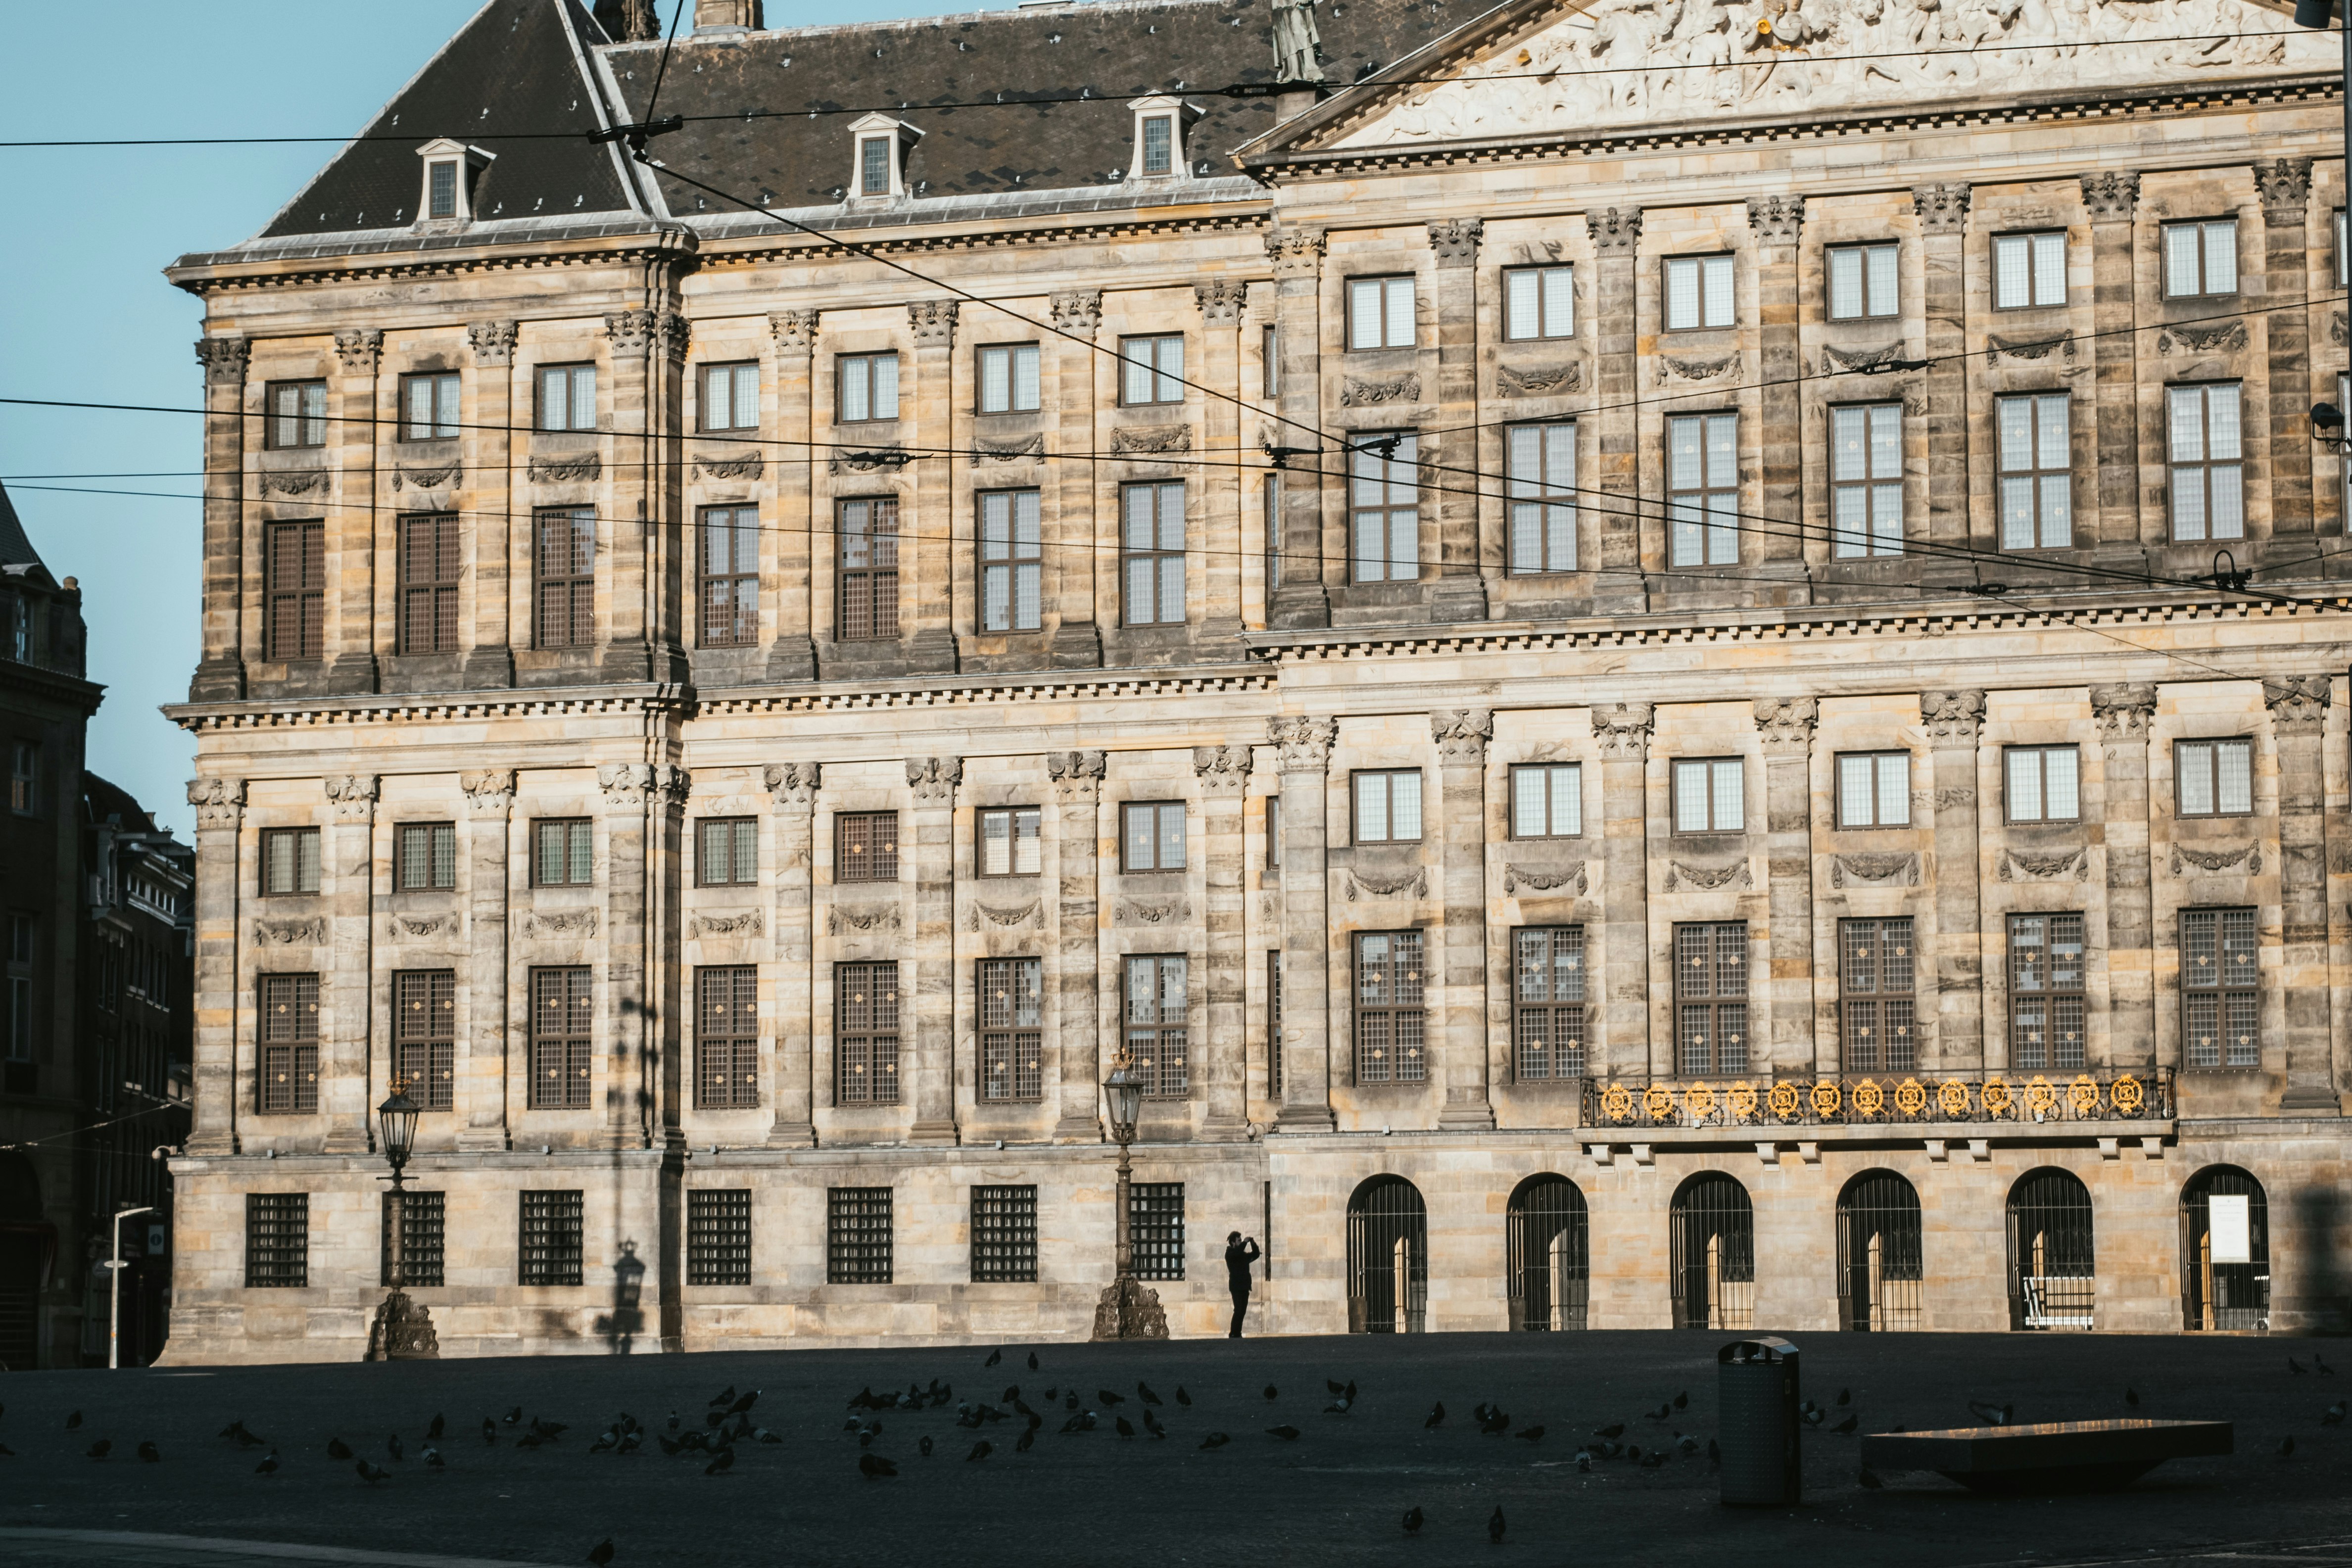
[
  {"x": 1370, "y": 531},
  {"x": 2180, "y": 259},
  {"x": 2057, "y": 513},
  {"x": 2234, "y": 787},
  {"x": 1024, "y": 377},
  {"x": 2187, "y": 503},
  {"x": 1568, "y": 799},
  {"x": 2024, "y": 787},
  {"x": 2222, "y": 419},
  {"x": 1404, "y": 543},
  {"x": 1140, "y": 839},
  {"x": 1856, "y": 807},
  {"x": 1171, "y": 837},
  {"x": 1558, "y": 301},
  {"x": 1682, "y": 435},
  {"x": 1399, "y": 294},
  {"x": 1135, "y": 384},
  {"x": 2009, "y": 271},
  {"x": 1025, "y": 845},
  {"x": 1364, "y": 313},
  {"x": 1849, "y": 457},
  {"x": 1170, "y": 606},
  {"x": 1521, "y": 303},
  {"x": 1169, "y": 386},
  {"x": 857, "y": 390},
  {"x": 1718, "y": 291},
  {"x": 1730, "y": 810},
  {"x": 1882, "y": 290},
  {"x": 1894, "y": 791},
  {"x": 1681, "y": 293},
  {"x": 995, "y": 380},
  {"x": 1404, "y": 806},
  {"x": 1172, "y": 517},
  {"x": 1886, "y": 441},
  {"x": 1686, "y": 536},
  {"x": 718, "y": 403},
  {"x": 1723, "y": 529},
  {"x": 1849, "y": 520},
  {"x": 1690, "y": 797},
  {"x": 996, "y": 843},
  {"x": 1845, "y": 285},
  {"x": 2050, "y": 269},
  {"x": 2016, "y": 433},
  {"x": 2221, "y": 258},
  {"x": 1157, "y": 145},
  {"x": 1528, "y": 803},
  {"x": 2059, "y": 775},
  {"x": 2194, "y": 760},
  {"x": 1372, "y": 807},
  {"x": 1886, "y": 518},
  {"x": 2049, "y": 422},
  {"x": 2225, "y": 501},
  {"x": 747, "y": 396},
  {"x": 2187, "y": 424},
  {"x": 1722, "y": 451},
  {"x": 886, "y": 386}
]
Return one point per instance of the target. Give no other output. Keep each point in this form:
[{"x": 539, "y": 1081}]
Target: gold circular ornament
[
  {"x": 1740, "y": 1101},
  {"x": 1699, "y": 1101},
  {"x": 2128, "y": 1096},
  {"x": 1952, "y": 1099},
  {"x": 1658, "y": 1101},
  {"x": 2083, "y": 1094},
  {"x": 1783, "y": 1099},
  {"x": 1616, "y": 1103},
  {"x": 2041, "y": 1095},
  {"x": 1998, "y": 1101},
  {"x": 1869, "y": 1099},
  {"x": 1910, "y": 1097},
  {"x": 1825, "y": 1100}
]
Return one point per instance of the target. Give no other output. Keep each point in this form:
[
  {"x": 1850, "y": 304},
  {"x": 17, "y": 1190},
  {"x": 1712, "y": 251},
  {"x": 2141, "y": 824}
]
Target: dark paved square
[{"x": 1336, "y": 1494}]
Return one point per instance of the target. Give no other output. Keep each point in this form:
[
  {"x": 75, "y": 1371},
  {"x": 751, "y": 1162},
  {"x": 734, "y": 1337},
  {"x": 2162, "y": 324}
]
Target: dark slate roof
[
  {"x": 102, "y": 800},
  {"x": 514, "y": 68},
  {"x": 16, "y": 546}
]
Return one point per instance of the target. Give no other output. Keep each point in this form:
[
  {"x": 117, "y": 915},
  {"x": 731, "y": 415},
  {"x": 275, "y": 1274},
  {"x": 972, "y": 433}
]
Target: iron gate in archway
[
  {"x": 1711, "y": 1234},
  {"x": 2053, "y": 1264},
  {"x": 1388, "y": 1258},
  {"x": 1880, "y": 1277},
  {"x": 1550, "y": 1243}
]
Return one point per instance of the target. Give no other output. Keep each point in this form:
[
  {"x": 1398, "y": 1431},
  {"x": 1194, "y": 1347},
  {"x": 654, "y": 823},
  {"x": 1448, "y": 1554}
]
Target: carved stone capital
[
  {"x": 629, "y": 330},
  {"x": 2123, "y": 711},
  {"x": 2111, "y": 196},
  {"x": 1078, "y": 774},
  {"x": 1305, "y": 743},
  {"x": 1942, "y": 207},
  {"x": 1079, "y": 312},
  {"x": 793, "y": 329},
  {"x": 1455, "y": 240},
  {"x": 1623, "y": 731},
  {"x": 2285, "y": 187},
  {"x": 672, "y": 784},
  {"x": 1297, "y": 252},
  {"x": 1220, "y": 300},
  {"x": 352, "y": 796},
  {"x": 2299, "y": 704},
  {"x": 219, "y": 803},
  {"x": 489, "y": 793},
  {"x": 1616, "y": 230},
  {"x": 794, "y": 784},
  {"x": 1776, "y": 220},
  {"x": 359, "y": 348},
  {"x": 934, "y": 322},
  {"x": 624, "y": 784},
  {"x": 1952, "y": 718},
  {"x": 934, "y": 779},
  {"x": 1462, "y": 735},
  {"x": 223, "y": 359},
  {"x": 1785, "y": 725},
  {"x": 1221, "y": 769},
  {"x": 675, "y": 331},
  {"x": 493, "y": 341}
]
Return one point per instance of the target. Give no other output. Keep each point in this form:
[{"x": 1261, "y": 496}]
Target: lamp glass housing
[
  {"x": 397, "y": 1117},
  {"x": 1124, "y": 1090}
]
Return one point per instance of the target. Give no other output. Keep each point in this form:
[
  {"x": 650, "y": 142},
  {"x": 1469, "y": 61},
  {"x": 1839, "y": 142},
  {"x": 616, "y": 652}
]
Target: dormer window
[
  {"x": 452, "y": 171},
  {"x": 874, "y": 166},
  {"x": 1161, "y": 127},
  {"x": 878, "y": 166}
]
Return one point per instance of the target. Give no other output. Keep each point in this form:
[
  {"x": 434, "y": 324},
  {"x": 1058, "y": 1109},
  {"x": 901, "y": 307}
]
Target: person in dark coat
[{"x": 1240, "y": 1253}]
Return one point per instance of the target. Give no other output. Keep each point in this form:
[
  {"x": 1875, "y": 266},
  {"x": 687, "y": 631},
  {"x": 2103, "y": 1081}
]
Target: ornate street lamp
[
  {"x": 403, "y": 1329},
  {"x": 2327, "y": 425},
  {"x": 1128, "y": 1310}
]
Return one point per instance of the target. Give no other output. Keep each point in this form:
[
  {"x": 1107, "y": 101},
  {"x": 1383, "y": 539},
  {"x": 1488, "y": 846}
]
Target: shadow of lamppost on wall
[
  {"x": 2320, "y": 1243},
  {"x": 626, "y": 1320}
]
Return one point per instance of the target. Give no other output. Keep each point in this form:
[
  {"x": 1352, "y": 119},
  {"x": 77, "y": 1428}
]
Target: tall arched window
[
  {"x": 2052, "y": 1277},
  {"x": 1712, "y": 1241},
  {"x": 1549, "y": 1242},
  {"x": 2225, "y": 1250},
  {"x": 1879, "y": 1253},
  {"x": 1388, "y": 1258}
]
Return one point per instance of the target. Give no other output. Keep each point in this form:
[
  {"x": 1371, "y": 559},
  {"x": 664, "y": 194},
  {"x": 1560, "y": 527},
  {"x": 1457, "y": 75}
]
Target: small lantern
[
  {"x": 1123, "y": 1090},
  {"x": 2327, "y": 424},
  {"x": 397, "y": 1116}
]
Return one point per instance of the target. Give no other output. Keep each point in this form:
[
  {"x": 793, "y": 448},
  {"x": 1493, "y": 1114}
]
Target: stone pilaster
[
  {"x": 1219, "y": 524},
  {"x": 638, "y": 478},
  {"x": 1622, "y": 733},
  {"x": 2285, "y": 187},
  {"x": 792, "y": 789},
  {"x": 1460, "y": 593},
  {"x": 1461, "y": 735},
  {"x": 1954, "y": 721},
  {"x": 2123, "y": 713},
  {"x": 1303, "y": 599},
  {"x": 1224, "y": 773},
  {"x": 1077, "y": 568},
  {"x": 1785, "y": 725},
  {"x": 1304, "y": 745},
  {"x": 493, "y": 498},
  {"x": 220, "y": 670},
  {"x": 2112, "y": 197},
  {"x": 1077, "y": 778},
  {"x": 666, "y": 990},
  {"x": 1778, "y": 223},
  {"x": 932, "y": 781},
  {"x": 1942, "y": 211},
  {"x": 485, "y": 1070},
  {"x": 220, "y": 816},
  {"x": 929, "y": 507},
  {"x": 348, "y": 1075},
  {"x": 627, "y": 786},
  {"x": 1619, "y": 587},
  {"x": 793, "y": 656},
  {"x": 2298, "y": 710},
  {"x": 351, "y": 537}
]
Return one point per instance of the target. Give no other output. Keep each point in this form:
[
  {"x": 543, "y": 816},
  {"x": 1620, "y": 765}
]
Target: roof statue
[{"x": 1298, "y": 46}]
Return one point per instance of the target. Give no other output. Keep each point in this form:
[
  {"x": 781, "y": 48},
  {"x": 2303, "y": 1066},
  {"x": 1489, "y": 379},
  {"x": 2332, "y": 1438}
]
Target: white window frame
[
  {"x": 1702, "y": 293},
  {"x": 465, "y": 164},
  {"x": 1179, "y": 118},
  {"x": 900, "y": 137}
]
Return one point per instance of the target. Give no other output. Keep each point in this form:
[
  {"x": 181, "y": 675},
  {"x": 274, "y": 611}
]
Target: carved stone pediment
[
  {"x": 294, "y": 481},
  {"x": 1373, "y": 391},
  {"x": 1142, "y": 911},
  {"x": 1538, "y": 380},
  {"x": 743, "y": 923},
  {"x": 839, "y": 918},
  {"x": 2033, "y": 351},
  {"x": 1882, "y": 869},
  {"x": 1680, "y": 876},
  {"x": 1545, "y": 879}
]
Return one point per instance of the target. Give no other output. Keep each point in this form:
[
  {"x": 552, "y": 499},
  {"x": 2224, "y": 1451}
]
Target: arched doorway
[
  {"x": 2053, "y": 1276},
  {"x": 2225, "y": 1251},
  {"x": 1879, "y": 1253},
  {"x": 1711, "y": 1232},
  {"x": 26, "y": 1242},
  {"x": 1549, "y": 1246},
  {"x": 1388, "y": 1258}
]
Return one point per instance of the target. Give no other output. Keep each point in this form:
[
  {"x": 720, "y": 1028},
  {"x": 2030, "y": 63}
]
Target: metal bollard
[{"x": 1757, "y": 1410}]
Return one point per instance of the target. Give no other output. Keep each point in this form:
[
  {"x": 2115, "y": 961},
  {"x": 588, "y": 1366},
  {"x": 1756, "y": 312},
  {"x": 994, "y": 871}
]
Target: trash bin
[{"x": 1756, "y": 1404}]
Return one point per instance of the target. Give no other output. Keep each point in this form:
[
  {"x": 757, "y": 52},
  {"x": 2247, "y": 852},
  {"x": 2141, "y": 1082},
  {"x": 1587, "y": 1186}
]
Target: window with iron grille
[
  {"x": 423, "y": 1231},
  {"x": 1866, "y": 480},
  {"x": 1548, "y": 1001},
  {"x": 727, "y": 851},
  {"x": 1391, "y": 1022},
  {"x": 1151, "y": 553},
  {"x": 567, "y": 397},
  {"x": 2045, "y": 991},
  {"x": 867, "y": 575},
  {"x": 428, "y": 584},
  {"x": 1703, "y": 490},
  {"x": 1003, "y": 1234},
  {"x": 1873, "y": 789},
  {"x": 730, "y": 576},
  {"x": 865, "y": 388},
  {"x": 1384, "y": 509},
  {"x": 1011, "y": 561},
  {"x": 1012, "y": 1023},
  {"x": 564, "y": 851},
  {"x": 1009, "y": 381},
  {"x": 1863, "y": 281},
  {"x": 425, "y": 856},
  {"x": 857, "y": 1235},
  {"x": 1548, "y": 800},
  {"x": 865, "y": 846},
  {"x": 1698, "y": 292},
  {"x": 730, "y": 397},
  {"x": 289, "y": 1042},
  {"x": 727, "y": 1038},
  {"x": 2213, "y": 778},
  {"x": 552, "y": 1227},
  {"x": 2220, "y": 1009},
  {"x": 2042, "y": 783},
  {"x": 428, "y": 404},
  {"x": 1876, "y": 977},
  {"x": 1009, "y": 845},
  {"x": 1387, "y": 804},
  {"x": 1153, "y": 835},
  {"x": 563, "y": 578},
  {"x": 1710, "y": 796},
  {"x": 2036, "y": 472},
  {"x": 2200, "y": 258},
  {"x": 866, "y": 1034},
  {"x": 297, "y": 414},
  {"x": 2206, "y": 450},
  {"x": 1274, "y": 1025},
  {"x": 1538, "y": 302},
  {"x": 2029, "y": 270},
  {"x": 1711, "y": 997},
  {"x": 1541, "y": 462},
  {"x": 289, "y": 861},
  {"x": 297, "y": 622},
  {"x": 1155, "y": 1036},
  {"x": 425, "y": 1035},
  {"x": 1380, "y": 313},
  {"x": 562, "y": 1026},
  {"x": 719, "y": 1236},
  {"x": 276, "y": 1241},
  {"x": 1155, "y": 1229}
]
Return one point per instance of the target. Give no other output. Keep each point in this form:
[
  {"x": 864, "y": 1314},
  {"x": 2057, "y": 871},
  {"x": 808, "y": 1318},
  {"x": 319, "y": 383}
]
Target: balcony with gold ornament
[{"x": 1965, "y": 1106}]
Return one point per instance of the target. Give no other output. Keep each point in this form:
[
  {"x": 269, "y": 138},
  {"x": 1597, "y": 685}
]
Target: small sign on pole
[{"x": 2232, "y": 1227}]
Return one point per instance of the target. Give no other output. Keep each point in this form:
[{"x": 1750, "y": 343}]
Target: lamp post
[
  {"x": 403, "y": 1329},
  {"x": 114, "y": 1290},
  {"x": 1128, "y": 1310}
]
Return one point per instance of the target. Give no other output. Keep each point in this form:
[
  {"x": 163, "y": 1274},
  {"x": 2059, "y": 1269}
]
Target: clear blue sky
[{"x": 89, "y": 317}]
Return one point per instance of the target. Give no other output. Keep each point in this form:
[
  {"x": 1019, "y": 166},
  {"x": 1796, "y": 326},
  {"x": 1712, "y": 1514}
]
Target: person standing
[{"x": 1240, "y": 1253}]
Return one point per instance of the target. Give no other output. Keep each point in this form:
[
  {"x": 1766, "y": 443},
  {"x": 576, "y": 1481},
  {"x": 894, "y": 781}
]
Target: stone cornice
[{"x": 414, "y": 259}]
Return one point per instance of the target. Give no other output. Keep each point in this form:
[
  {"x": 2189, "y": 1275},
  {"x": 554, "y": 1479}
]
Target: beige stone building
[{"x": 1671, "y": 666}]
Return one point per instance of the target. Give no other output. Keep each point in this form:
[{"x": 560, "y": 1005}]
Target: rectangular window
[
  {"x": 1274, "y": 833},
  {"x": 872, "y": 165},
  {"x": 2220, "y": 1007},
  {"x": 2045, "y": 992},
  {"x": 297, "y": 624},
  {"x": 727, "y": 1038},
  {"x": 24, "y": 778},
  {"x": 1711, "y": 997},
  {"x": 563, "y": 1035},
  {"x": 730, "y": 397},
  {"x": 1008, "y": 378},
  {"x": 441, "y": 198},
  {"x": 1698, "y": 292},
  {"x": 1548, "y": 800},
  {"x": 276, "y": 1241},
  {"x": 289, "y": 861},
  {"x": 2036, "y": 492},
  {"x": 727, "y": 851},
  {"x": 567, "y": 397},
  {"x": 1866, "y": 479},
  {"x": 865, "y": 388},
  {"x": 1548, "y": 1001},
  {"x": 564, "y": 852},
  {"x": 1387, "y": 806},
  {"x": 551, "y": 1244},
  {"x": 866, "y": 1034},
  {"x": 1384, "y": 509},
  {"x": 2208, "y": 476},
  {"x": 1011, "y": 562},
  {"x": 1538, "y": 302},
  {"x": 1151, "y": 369},
  {"x": 1159, "y": 144},
  {"x": 424, "y": 1036},
  {"x": 428, "y": 407},
  {"x": 297, "y": 414},
  {"x": 1155, "y": 1039},
  {"x": 2029, "y": 270},
  {"x": 1004, "y": 1235},
  {"x": 1155, "y": 1229},
  {"x": 1703, "y": 489},
  {"x": 1270, "y": 360},
  {"x": 1391, "y": 1022},
  {"x": 1151, "y": 553},
  {"x": 19, "y": 1042},
  {"x": 564, "y": 572},
  {"x": 1380, "y": 313},
  {"x": 2343, "y": 256},
  {"x": 2042, "y": 783},
  {"x": 868, "y": 575},
  {"x": 1011, "y": 1025},
  {"x": 1862, "y": 282},
  {"x": 2213, "y": 778},
  {"x": 1151, "y": 836},
  {"x": 289, "y": 1043},
  {"x": 719, "y": 1236},
  {"x": 1009, "y": 845},
  {"x": 1876, "y": 977},
  {"x": 428, "y": 584},
  {"x": 1873, "y": 789},
  {"x": 2200, "y": 258},
  {"x": 857, "y": 1235},
  {"x": 731, "y": 577},
  {"x": 424, "y": 1231},
  {"x": 865, "y": 846},
  {"x": 1274, "y": 1024},
  {"x": 1710, "y": 796},
  {"x": 1541, "y": 459}
]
